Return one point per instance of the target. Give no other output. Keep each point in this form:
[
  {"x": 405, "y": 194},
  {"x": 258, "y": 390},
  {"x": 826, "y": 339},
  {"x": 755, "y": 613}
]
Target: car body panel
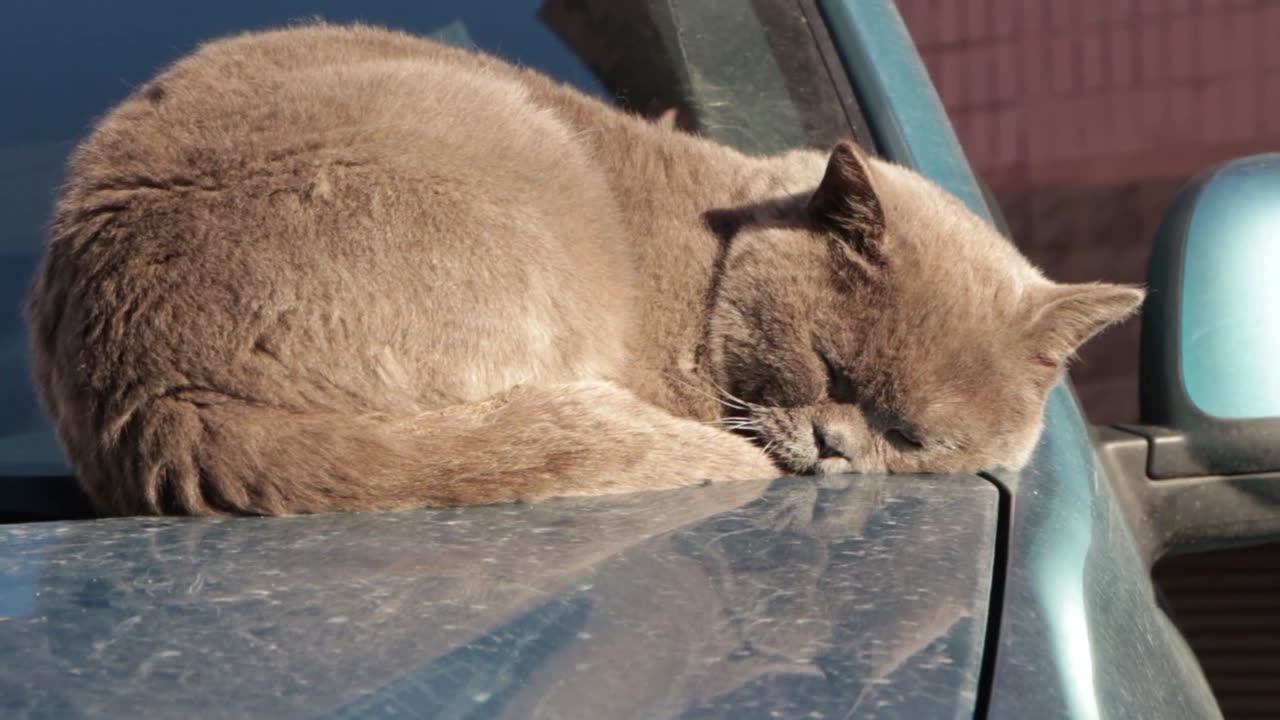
[
  {"x": 1081, "y": 633},
  {"x": 790, "y": 597}
]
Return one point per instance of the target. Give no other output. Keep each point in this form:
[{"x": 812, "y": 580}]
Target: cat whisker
[
  {"x": 730, "y": 401},
  {"x": 755, "y": 429},
  {"x": 729, "y": 398},
  {"x": 735, "y": 421}
]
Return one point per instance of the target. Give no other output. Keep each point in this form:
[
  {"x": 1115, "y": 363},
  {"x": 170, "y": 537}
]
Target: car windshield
[{"x": 762, "y": 86}]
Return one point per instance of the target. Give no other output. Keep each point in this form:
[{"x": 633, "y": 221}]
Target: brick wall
[{"x": 1085, "y": 116}]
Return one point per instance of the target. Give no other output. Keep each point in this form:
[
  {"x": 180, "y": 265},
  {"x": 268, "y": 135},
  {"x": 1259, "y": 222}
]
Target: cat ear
[
  {"x": 1069, "y": 315},
  {"x": 846, "y": 203}
]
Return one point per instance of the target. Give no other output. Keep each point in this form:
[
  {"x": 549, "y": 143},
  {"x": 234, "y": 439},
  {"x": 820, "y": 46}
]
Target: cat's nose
[{"x": 828, "y": 443}]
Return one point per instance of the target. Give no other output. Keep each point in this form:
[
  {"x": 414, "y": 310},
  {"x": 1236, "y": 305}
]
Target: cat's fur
[{"x": 337, "y": 268}]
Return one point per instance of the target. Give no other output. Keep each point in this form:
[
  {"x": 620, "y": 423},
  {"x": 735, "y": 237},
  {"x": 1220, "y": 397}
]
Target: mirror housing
[
  {"x": 1210, "y": 367},
  {"x": 1202, "y": 470}
]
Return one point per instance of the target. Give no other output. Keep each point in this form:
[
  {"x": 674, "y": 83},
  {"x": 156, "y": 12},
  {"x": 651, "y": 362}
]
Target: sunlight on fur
[{"x": 339, "y": 268}]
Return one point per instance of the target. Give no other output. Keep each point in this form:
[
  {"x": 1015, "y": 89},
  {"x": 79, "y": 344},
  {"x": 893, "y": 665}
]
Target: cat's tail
[{"x": 179, "y": 456}]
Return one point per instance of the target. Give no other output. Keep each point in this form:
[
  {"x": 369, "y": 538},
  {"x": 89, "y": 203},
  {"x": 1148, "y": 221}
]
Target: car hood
[{"x": 802, "y": 597}]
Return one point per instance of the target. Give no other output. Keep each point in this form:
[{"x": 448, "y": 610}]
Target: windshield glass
[{"x": 746, "y": 73}]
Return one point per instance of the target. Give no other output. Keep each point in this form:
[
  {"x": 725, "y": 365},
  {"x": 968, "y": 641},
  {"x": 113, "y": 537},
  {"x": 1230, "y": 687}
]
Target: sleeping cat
[{"x": 339, "y": 268}]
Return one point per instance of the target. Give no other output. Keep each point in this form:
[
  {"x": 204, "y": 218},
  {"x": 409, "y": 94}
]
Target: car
[{"x": 994, "y": 595}]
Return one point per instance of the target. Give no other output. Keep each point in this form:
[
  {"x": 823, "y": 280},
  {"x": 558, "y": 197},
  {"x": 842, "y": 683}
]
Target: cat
[{"x": 335, "y": 268}]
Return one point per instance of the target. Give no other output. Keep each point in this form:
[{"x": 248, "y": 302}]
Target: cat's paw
[
  {"x": 713, "y": 455},
  {"x": 618, "y": 443}
]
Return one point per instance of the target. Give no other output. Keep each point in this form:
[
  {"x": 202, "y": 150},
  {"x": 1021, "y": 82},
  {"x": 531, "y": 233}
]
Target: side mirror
[
  {"x": 1211, "y": 334},
  {"x": 1204, "y": 465}
]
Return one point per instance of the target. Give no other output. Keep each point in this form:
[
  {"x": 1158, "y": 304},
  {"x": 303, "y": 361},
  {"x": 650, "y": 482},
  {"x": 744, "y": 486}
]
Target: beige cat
[{"x": 335, "y": 268}]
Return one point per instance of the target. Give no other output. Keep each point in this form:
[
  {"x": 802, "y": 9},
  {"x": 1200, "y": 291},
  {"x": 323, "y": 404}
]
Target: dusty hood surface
[{"x": 849, "y": 596}]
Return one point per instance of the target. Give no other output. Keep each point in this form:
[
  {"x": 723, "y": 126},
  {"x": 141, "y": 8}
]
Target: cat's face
[{"x": 878, "y": 325}]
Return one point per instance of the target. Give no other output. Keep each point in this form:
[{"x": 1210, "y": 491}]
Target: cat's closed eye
[
  {"x": 839, "y": 387},
  {"x": 903, "y": 437}
]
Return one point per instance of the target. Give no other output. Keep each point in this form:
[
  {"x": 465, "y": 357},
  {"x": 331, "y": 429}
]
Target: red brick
[
  {"x": 1008, "y": 138},
  {"x": 1033, "y": 16},
  {"x": 980, "y": 131},
  {"x": 1068, "y": 130},
  {"x": 932, "y": 21},
  {"x": 1101, "y": 126},
  {"x": 1091, "y": 12},
  {"x": 931, "y": 63},
  {"x": 1111, "y": 142},
  {"x": 1117, "y": 131},
  {"x": 1215, "y": 44},
  {"x": 1243, "y": 29},
  {"x": 1153, "y": 46},
  {"x": 1089, "y": 113},
  {"x": 977, "y": 19},
  {"x": 1122, "y": 56},
  {"x": 1048, "y": 137},
  {"x": 910, "y": 12},
  {"x": 1184, "y": 51},
  {"x": 1062, "y": 67},
  {"x": 986, "y": 131},
  {"x": 1151, "y": 8},
  {"x": 1061, "y": 15},
  {"x": 947, "y": 22},
  {"x": 1270, "y": 104},
  {"x": 1081, "y": 110},
  {"x": 1242, "y": 103},
  {"x": 1005, "y": 16},
  {"x": 1004, "y": 86},
  {"x": 990, "y": 59},
  {"x": 1270, "y": 23},
  {"x": 1126, "y": 126},
  {"x": 1115, "y": 140},
  {"x": 1033, "y": 61},
  {"x": 1178, "y": 6},
  {"x": 1120, "y": 10},
  {"x": 984, "y": 137},
  {"x": 1216, "y": 122},
  {"x": 963, "y": 124},
  {"x": 1152, "y": 108},
  {"x": 1039, "y": 133},
  {"x": 959, "y": 124},
  {"x": 1184, "y": 113},
  {"x": 973, "y": 80},
  {"x": 951, "y": 80},
  {"x": 954, "y": 87},
  {"x": 994, "y": 57},
  {"x": 930, "y": 11},
  {"x": 1230, "y": 42},
  {"x": 923, "y": 22},
  {"x": 1093, "y": 60}
]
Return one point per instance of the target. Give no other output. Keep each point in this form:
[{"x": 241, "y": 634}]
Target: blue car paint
[
  {"x": 1080, "y": 635},
  {"x": 734, "y": 600}
]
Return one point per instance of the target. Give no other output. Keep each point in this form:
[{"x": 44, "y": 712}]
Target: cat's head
[{"x": 877, "y": 324}]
